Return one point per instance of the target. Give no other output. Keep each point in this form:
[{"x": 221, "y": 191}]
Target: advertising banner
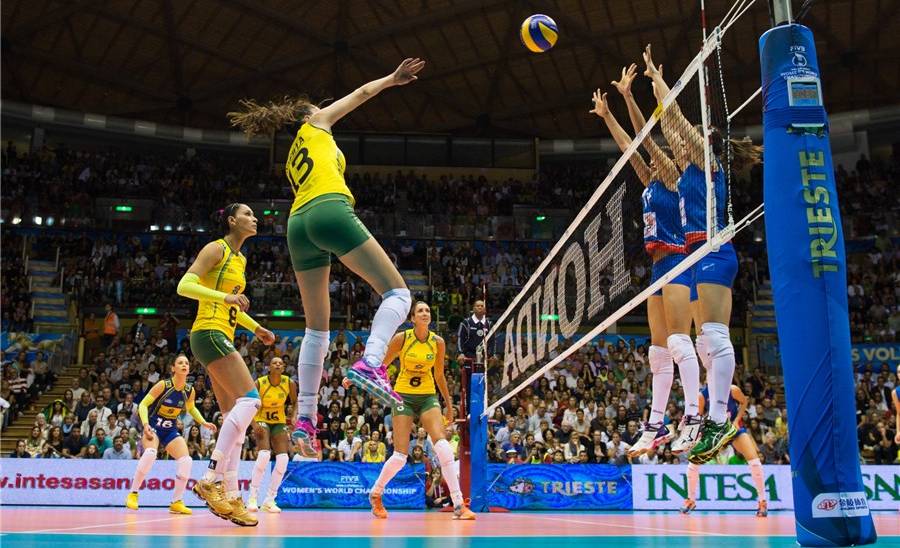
[
  {"x": 559, "y": 487},
  {"x": 347, "y": 485},
  {"x": 80, "y": 482},
  {"x": 875, "y": 354},
  {"x": 730, "y": 487}
]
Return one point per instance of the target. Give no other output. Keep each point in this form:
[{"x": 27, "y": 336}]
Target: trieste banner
[
  {"x": 347, "y": 485},
  {"x": 559, "y": 487},
  {"x": 730, "y": 487}
]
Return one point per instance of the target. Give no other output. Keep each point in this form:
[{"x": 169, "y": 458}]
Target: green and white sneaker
[{"x": 715, "y": 437}]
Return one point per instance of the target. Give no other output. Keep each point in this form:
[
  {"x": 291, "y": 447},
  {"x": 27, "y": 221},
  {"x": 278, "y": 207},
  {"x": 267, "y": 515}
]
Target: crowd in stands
[
  {"x": 15, "y": 299},
  {"x": 22, "y": 382}
]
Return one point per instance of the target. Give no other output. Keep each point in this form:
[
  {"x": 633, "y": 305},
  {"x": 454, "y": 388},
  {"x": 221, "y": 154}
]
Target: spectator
[
  {"x": 350, "y": 447},
  {"x": 21, "y": 451},
  {"x": 118, "y": 451}
]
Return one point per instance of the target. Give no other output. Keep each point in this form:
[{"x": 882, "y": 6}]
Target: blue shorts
[
  {"x": 719, "y": 268},
  {"x": 663, "y": 266},
  {"x": 166, "y": 436}
]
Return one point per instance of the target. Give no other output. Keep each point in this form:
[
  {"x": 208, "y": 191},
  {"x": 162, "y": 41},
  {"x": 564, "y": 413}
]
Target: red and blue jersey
[
  {"x": 692, "y": 188},
  {"x": 732, "y": 403},
  {"x": 664, "y": 219}
]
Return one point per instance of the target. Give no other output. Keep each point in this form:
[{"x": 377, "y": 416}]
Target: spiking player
[
  {"x": 713, "y": 275},
  {"x": 322, "y": 223},
  {"x": 743, "y": 443}
]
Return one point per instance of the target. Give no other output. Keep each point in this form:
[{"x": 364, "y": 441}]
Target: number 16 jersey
[
  {"x": 315, "y": 166},
  {"x": 416, "y": 364},
  {"x": 226, "y": 276}
]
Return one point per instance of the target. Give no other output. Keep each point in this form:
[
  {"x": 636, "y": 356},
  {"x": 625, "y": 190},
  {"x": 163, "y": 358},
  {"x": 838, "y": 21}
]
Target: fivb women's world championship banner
[
  {"x": 730, "y": 487},
  {"x": 347, "y": 485}
]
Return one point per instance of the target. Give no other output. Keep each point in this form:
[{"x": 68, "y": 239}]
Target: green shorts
[
  {"x": 273, "y": 428},
  {"x": 208, "y": 345},
  {"x": 416, "y": 404},
  {"x": 325, "y": 225}
]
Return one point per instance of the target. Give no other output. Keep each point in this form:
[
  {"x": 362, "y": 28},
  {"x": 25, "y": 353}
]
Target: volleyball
[{"x": 538, "y": 33}]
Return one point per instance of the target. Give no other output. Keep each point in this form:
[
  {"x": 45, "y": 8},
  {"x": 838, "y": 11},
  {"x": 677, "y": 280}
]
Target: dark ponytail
[{"x": 224, "y": 214}]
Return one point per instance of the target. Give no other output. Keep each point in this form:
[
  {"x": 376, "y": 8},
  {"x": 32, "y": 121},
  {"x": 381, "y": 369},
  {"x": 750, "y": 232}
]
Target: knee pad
[
  {"x": 718, "y": 340},
  {"x": 251, "y": 401},
  {"x": 313, "y": 348},
  {"x": 281, "y": 462},
  {"x": 660, "y": 360},
  {"x": 402, "y": 296},
  {"x": 444, "y": 452},
  {"x": 680, "y": 347},
  {"x": 254, "y": 393},
  {"x": 264, "y": 455},
  {"x": 702, "y": 351},
  {"x": 183, "y": 467}
]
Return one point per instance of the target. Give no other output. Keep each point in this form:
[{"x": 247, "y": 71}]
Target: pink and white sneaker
[
  {"x": 375, "y": 382},
  {"x": 304, "y": 436}
]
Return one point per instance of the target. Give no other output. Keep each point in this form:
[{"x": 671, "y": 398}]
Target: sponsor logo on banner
[
  {"x": 347, "y": 485},
  {"x": 75, "y": 482},
  {"x": 840, "y": 505},
  {"x": 730, "y": 487},
  {"x": 721, "y": 487},
  {"x": 875, "y": 354},
  {"x": 559, "y": 487}
]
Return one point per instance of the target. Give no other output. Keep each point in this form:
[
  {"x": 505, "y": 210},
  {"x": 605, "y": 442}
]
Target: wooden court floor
[{"x": 59, "y": 527}]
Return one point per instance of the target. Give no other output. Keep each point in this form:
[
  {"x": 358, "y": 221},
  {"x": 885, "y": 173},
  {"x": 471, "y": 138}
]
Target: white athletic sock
[
  {"x": 663, "y": 373},
  {"x": 313, "y": 351},
  {"x": 693, "y": 478},
  {"x": 683, "y": 353},
  {"x": 388, "y": 471},
  {"x": 448, "y": 471},
  {"x": 702, "y": 352},
  {"x": 391, "y": 313},
  {"x": 281, "y": 462},
  {"x": 182, "y": 473},
  {"x": 262, "y": 460},
  {"x": 756, "y": 471},
  {"x": 232, "y": 490},
  {"x": 143, "y": 468},
  {"x": 721, "y": 355}
]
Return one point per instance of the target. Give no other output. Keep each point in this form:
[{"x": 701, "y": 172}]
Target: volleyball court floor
[{"x": 58, "y": 527}]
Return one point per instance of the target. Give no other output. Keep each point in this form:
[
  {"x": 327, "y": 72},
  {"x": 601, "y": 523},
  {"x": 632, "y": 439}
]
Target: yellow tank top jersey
[
  {"x": 226, "y": 276},
  {"x": 416, "y": 364},
  {"x": 274, "y": 397},
  {"x": 315, "y": 166}
]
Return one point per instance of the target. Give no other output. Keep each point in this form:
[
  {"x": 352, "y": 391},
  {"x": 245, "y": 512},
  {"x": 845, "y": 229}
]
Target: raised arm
[
  {"x": 673, "y": 121},
  {"x": 601, "y": 109},
  {"x": 190, "y": 285},
  {"x": 328, "y": 116},
  {"x": 665, "y": 167}
]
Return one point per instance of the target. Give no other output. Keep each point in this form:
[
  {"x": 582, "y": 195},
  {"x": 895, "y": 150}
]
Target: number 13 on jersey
[{"x": 299, "y": 165}]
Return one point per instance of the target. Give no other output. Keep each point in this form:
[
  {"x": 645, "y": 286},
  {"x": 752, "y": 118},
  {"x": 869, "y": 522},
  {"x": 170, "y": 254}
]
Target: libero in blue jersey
[{"x": 159, "y": 411}]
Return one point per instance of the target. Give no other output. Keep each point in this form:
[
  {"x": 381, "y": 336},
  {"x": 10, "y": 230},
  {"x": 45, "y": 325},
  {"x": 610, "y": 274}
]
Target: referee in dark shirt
[{"x": 471, "y": 333}]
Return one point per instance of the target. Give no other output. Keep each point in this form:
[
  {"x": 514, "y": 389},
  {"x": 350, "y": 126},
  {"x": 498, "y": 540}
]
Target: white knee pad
[
  {"x": 680, "y": 346},
  {"x": 718, "y": 340},
  {"x": 702, "y": 351},
  {"x": 660, "y": 360},
  {"x": 402, "y": 300},
  {"x": 147, "y": 459},
  {"x": 264, "y": 456},
  {"x": 281, "y": 462},
  {"x": 444, "y": 452},
  {"x": 183, "y": 467},
  {"x": 313, "y": 348}
]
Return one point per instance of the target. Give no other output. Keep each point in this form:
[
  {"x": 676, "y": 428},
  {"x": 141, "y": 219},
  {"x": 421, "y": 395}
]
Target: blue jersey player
[{"x": 159, "y": 412}]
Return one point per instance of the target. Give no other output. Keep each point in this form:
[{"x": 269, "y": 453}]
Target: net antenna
[{"x": 583, "y": 285}]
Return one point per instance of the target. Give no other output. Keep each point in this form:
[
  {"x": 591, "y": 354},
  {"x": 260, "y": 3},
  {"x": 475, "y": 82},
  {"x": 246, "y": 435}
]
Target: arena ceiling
[{"x": 187, "y": 62}]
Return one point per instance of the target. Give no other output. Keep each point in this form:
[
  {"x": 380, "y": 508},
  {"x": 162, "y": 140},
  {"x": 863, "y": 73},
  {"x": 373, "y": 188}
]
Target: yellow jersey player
[
  {"x": 216, "y": 279},
  {"x": 278, "y": 393},
  {"x": 322, "y": 223},
  {"x": 421, "y": 354},
  {"x": 159, "y": 412}
]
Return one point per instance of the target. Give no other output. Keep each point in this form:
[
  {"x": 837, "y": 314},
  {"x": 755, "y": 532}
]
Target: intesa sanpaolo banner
[{"x": 730, "y": 487}]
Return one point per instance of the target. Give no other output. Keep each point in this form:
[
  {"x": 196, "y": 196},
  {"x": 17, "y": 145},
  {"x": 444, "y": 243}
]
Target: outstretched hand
[
  {"x": 601, "y": 107},
  {"x": 407, "y": 71},
  {"x": 652, "y": 71},
  {"x": 623, "y": 85}
]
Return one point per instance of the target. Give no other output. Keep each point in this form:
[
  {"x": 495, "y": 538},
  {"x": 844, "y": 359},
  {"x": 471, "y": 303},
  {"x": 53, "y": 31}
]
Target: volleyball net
[{"x": 598, "y": 271}]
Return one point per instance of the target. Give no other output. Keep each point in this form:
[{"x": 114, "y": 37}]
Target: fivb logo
[
  {"x": 840, "y": 505},
  {"x": 531, "y": 334}
]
